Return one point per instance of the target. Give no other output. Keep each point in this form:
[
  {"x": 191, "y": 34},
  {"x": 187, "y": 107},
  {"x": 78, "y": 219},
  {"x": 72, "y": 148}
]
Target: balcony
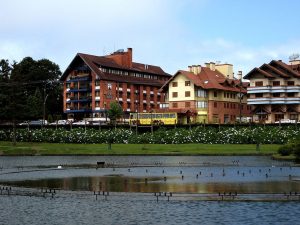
[
  {"x": 97, "y": 98},
  {"x": 273, "y": 89},
  {"x": 79, "y": 110},
  {"x": 268, "y": 101},
  {"x": 81, "y": 89},
  {"x": 78, "y": 78}
]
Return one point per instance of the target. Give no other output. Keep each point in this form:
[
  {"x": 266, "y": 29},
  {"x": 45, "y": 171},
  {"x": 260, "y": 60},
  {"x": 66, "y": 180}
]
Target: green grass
[{"x": 25, "y": 148}]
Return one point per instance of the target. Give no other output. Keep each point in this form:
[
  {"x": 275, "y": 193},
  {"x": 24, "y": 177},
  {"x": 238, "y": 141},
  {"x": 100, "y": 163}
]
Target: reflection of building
[
  {"x": 206, "y": 94},
  {"x": 92, "y": 82},
  {"x": 275, "y": 91}
]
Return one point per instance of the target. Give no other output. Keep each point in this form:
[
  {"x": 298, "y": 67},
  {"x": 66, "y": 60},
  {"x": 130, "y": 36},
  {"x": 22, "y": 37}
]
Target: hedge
[{"x": 207, "y": 135}]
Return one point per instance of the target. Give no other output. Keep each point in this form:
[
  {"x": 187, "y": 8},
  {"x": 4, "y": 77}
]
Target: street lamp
[
  {"x": 151, "y": 111},
  {"x": 240, "y": 96},
  {"x": 44, "y": 107}
]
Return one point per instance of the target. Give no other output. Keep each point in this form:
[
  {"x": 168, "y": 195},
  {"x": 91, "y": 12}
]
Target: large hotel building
[
  {"x": 206, "y": 94},
  {"x": 92, "y": 82},
  {"x": 274, "y": 91}
]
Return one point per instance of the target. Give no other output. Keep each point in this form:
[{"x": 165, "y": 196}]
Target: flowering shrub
[{"x": 207, "y": 135}]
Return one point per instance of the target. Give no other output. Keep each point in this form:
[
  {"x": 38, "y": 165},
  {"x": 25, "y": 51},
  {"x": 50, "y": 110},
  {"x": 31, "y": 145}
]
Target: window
[
  {"x": 215, "y": 94},
  {"x": 258, "y": 95},
  {"x": 97, "y": 82},
  {"x": 276, "y": 83},
  {"x": 187, "y": 83},
  {"x": 279, "y": 117},
  {"x": 291, "y": 94},
  {"x": 290, "y": 83},
  {"x": 215, "y": 104},
  {"x": 294, "y": 117},
  {"x": 68, "y": 85},
  {"x": 174, "y": 94},
  {"x": 187, "y": 94},
  {"x": 276, "y": 95},
  {"x": 259, "y": 83},
  {"x": 109, "y": 86},
  {"x": 201, "y": 93},
  {"x": 187, "y": 104},
  {"x": 174, "y": 104},
  {"x": 201, "y": 104},
  {"x": 224, "y": 94},
  {"x": 174, "y": 84},
  {"x": 225, "y": 105}
]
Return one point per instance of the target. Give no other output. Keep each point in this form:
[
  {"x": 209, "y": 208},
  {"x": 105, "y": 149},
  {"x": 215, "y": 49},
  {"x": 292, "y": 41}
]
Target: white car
[
  {"x": 59, "y": 122},
  {"x": 81, "y": 122},
  {"x": 286, "y": 121}
]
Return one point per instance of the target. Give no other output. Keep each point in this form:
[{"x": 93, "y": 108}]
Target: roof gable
[{"x": 94, "y": 63}]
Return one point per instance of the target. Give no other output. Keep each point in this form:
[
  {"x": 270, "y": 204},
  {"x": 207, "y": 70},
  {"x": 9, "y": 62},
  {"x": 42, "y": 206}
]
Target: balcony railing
[
  {"x": 273, "y": 89},
  {"x": 284, "y": 100}
]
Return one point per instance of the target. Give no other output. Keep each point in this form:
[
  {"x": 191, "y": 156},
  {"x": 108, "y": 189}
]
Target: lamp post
[
  {"x": 44, "y": 107},
  {"x": 151, "y": 111},
  {"x": 240, "y": 95}
]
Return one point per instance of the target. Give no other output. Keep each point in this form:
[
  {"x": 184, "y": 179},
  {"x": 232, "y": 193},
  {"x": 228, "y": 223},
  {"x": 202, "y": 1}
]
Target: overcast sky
[{"x": 171, "y": 34}]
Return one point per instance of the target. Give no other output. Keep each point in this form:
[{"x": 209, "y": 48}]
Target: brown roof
[
  {"x": 209, "y": 79},
  {"x": 94, "y": 62},
  {"x": 277, "y": 67}
]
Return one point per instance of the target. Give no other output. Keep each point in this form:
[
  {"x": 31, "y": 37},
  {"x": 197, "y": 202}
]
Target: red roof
[
  {"x": 209, "y": 79},
  {"x": 95, "y": 62}
]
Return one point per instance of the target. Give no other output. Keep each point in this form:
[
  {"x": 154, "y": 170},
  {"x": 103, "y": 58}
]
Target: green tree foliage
[
  {"x": 26, "y": 85},
  {"x": 115, "y": 112}
]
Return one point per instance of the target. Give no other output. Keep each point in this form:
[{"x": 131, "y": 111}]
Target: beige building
[
  {"x": 208, "y": 94},
  {"x": 274, "y": 92}
]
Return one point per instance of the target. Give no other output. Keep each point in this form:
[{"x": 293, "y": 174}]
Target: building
[
  {"x": 207, "y": 94},
  {"x": 92, "y": 82},
  {"x": 274, "y": 91}
]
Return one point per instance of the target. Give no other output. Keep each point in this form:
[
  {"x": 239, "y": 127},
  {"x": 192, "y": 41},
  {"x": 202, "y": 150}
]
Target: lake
[{"x": 134, "y": 184}]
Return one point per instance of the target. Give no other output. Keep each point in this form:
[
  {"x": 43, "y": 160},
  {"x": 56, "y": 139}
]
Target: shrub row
[{"x": 224, "y": 135}]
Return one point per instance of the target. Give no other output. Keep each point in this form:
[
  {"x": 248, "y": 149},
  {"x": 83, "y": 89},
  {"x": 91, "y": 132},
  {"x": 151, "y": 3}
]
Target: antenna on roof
[{"x": 294, "y": 56}]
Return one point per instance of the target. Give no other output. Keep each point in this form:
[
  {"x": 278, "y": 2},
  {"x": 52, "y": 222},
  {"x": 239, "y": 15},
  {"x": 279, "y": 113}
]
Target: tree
[
  {"x": 115, "y": 112},
  {"x": 5, "y": 70},
  {"x": 25, "y": 86}
]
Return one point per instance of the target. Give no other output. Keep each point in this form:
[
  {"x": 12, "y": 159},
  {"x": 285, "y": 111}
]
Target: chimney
[
  {"x": 129, "y": 57},
  {"x": 198, "y": 69},
  {"x": 122, "y": 58},
  {"x": 207, "y": 65},
  {"x": 190, "y": 68},
  {"x": 239, "y": 75},
  {"x": 212, "y": 66}
]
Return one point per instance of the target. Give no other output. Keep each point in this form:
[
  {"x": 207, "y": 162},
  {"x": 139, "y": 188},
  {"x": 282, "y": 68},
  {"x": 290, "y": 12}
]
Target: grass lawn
[{"x": 25, "y": 148}]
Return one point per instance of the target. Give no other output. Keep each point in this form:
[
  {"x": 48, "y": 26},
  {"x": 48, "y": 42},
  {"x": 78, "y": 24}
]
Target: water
[
  {"x": 24, "y": 210},
  {"x": 133, "y": 182}
]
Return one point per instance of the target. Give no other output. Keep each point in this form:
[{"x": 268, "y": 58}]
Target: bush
[
  {"x": 205, "y": 135},
  {"x": 286, "y": 150}
]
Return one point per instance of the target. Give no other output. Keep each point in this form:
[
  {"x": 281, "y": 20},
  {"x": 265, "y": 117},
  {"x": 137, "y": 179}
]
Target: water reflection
[
  {"x": 189, "y": 175},
  {"x": 157, "y": 184}
]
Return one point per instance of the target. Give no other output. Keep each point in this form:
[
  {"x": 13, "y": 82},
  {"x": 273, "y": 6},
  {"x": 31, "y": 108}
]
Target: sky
[{"x": 172, "y": 34}]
